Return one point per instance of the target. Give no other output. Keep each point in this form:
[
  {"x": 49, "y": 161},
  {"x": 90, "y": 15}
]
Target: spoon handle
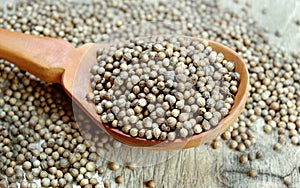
[{"x": 43, "y": 57}]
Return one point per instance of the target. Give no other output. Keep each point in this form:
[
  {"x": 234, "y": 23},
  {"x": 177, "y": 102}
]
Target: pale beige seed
[
  {"x": 156, "y": 132},
  {"x": 277, "y": 146},
  {"x": 243, "y": 159},
  {"x": 183, "y": 132},
  {"x": 267, "y": 128},
  {"x": 171, "y": 136},
  {"x": 198, "y": 129},
  {"x": 90, "y": 166},
  {"x": 252, "y": 173},
  {"x": 119, "y": 179},
  {"x": 150, "y": 184},
  {"x": 100, "y": 169},
  {"x": 233, "y": 144},
  {"x": 106, "y": 183},
  {"x": 215, "y": 144},
  {"x": 113, "y": 166},
  {"x": 134, "y": 132}
]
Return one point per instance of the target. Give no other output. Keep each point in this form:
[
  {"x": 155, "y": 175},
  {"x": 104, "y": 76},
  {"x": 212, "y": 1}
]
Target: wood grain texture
[{"x": 207, "y": 167}]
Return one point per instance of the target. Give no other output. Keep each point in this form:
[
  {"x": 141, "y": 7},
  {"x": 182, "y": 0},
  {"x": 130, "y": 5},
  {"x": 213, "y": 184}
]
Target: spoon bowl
[
  {"x": 207, "y": 136},
  {"x": 57, "y": 61}
]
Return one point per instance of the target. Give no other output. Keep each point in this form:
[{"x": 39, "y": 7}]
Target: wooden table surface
[{"x": 207, "y": 167}]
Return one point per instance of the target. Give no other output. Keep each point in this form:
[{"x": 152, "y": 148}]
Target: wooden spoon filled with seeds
[{"x": 160, "y": 92}]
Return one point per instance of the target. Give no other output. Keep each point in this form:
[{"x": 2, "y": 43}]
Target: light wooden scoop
[{"x": 57, "y": 61}]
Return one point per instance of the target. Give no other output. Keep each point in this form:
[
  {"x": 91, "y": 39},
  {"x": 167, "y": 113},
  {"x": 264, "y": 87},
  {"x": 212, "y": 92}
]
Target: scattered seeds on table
[{"x": 29, "y": 107}]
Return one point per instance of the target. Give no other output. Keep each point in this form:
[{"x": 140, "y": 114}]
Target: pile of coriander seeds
[
  {"x": 23, "y": 97},
  {"x": 163, "y": 87}
]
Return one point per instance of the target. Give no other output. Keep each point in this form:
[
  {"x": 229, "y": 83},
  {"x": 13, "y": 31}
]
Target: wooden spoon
[{"x": 57, "y": 61}]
